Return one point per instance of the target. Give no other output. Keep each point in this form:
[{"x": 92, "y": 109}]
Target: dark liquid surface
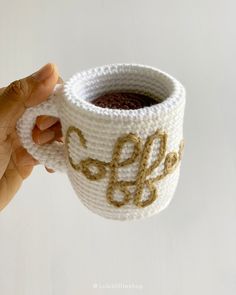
[{"x": 123, "y": 100}]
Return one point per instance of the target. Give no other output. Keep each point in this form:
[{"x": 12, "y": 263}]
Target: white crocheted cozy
[{"x": 122, "y": 164}]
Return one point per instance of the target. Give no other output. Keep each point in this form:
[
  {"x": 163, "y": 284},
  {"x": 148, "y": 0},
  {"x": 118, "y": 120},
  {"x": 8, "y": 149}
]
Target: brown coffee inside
[{"x": 123, "y": 100}]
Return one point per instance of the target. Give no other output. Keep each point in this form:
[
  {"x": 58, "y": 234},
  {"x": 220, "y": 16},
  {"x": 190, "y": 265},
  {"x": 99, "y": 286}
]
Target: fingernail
[
  {"x": 47, "y": 122},
  {"x": 46, "y": 136},
  {"x": 49, "y": 170},
  {"x": 60, "y": 80},
  {"x": 43, "y": 73}
]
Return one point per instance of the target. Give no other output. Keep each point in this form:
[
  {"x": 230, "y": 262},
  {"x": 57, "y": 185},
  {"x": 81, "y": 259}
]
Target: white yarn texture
[{"x": 101, "y": 128}]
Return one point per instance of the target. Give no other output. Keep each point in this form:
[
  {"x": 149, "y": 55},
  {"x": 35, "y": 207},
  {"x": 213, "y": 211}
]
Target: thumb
[{"x": 24, "y": 93}]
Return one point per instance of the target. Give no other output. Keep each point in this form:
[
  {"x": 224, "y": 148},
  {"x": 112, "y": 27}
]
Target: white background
[{"x": 49, "y": 242}]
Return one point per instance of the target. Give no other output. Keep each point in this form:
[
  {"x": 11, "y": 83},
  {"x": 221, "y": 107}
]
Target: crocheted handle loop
[{"x": 51, "y": 155}]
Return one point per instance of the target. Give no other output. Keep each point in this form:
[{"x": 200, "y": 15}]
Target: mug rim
[{"x": 172, "y": 101}]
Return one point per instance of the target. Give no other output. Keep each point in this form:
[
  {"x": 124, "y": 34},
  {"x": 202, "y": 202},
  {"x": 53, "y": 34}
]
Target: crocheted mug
[{"x": 122, "y": 164}]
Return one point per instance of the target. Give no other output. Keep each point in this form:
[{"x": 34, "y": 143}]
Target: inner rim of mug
[{"x": 87, "y": 85}]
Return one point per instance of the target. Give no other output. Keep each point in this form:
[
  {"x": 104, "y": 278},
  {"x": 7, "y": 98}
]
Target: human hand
[{"x": 16, "y": 164}]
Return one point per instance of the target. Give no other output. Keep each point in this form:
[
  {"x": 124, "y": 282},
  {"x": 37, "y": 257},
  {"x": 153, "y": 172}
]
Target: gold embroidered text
[{"x": 140, "y": 154}]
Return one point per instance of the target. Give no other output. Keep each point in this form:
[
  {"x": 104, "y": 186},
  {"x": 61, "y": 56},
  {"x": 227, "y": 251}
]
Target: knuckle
[{"x": 17, "y": 88}]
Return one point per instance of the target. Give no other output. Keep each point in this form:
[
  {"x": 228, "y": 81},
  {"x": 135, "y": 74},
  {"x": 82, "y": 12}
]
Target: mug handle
[{"x": 51, "y": 155}]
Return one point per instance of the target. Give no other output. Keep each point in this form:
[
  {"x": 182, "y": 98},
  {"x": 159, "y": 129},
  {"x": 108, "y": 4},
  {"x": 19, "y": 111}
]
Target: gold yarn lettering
[
  {"x": 115, "y": 164},
  {"x": 170, "y": 163}
]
